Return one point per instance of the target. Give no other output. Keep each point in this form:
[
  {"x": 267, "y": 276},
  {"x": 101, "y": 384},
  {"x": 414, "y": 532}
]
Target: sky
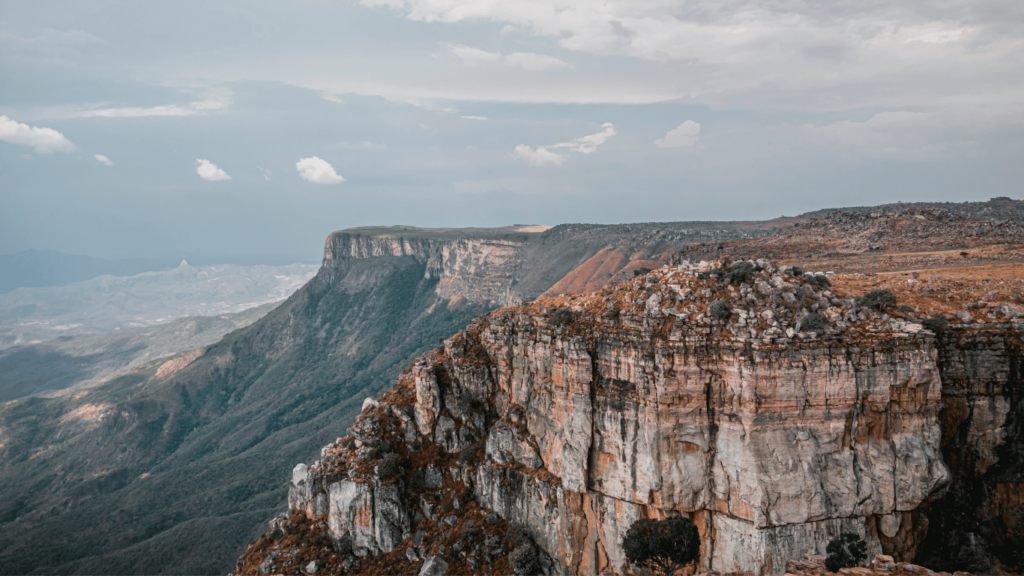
[{"x": 251, "y": 129}]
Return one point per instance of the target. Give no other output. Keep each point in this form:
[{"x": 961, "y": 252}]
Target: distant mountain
[
  {"x": 34, "y": 268},
  {"x": 70, "y": 362},
  {"x": 109, "y": 303}
]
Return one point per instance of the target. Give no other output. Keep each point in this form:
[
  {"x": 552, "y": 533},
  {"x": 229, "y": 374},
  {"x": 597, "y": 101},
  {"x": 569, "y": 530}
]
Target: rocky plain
[
  {"x": 439, "y": 401},
  {"x": 858, "y": 372}
]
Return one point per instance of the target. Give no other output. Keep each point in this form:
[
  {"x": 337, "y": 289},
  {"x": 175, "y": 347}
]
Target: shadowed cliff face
[{"x": 575, "y": 416}]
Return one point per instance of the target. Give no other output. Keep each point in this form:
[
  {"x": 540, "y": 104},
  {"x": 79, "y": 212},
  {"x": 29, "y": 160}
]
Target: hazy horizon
[{"x": 134, "y": 130}]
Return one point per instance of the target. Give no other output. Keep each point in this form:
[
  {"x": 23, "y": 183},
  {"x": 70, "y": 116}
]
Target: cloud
[
  {"x": 474, "y": 56},
  {"x": 42, "y": 140},
  {"x": 529, "y": 61},
  {"x": 317, "y": 171},
  {"x": 541, "y": 156},
  {"x": 533, "y": 62},
  {"x": 475, "y": 117},
  {"x": 681, "y": 136},
  {"x": 208, "y": 171},
  {"x": 167, "y": 110},
  {"x": 103, "y": 159}
]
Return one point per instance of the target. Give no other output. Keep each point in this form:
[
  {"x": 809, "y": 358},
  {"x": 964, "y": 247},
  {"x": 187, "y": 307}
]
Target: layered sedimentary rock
[{"x": 575, "y": 416}]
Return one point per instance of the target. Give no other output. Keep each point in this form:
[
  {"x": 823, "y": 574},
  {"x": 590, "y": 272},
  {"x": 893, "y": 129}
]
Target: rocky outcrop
[{"x": 575, "y": 416}]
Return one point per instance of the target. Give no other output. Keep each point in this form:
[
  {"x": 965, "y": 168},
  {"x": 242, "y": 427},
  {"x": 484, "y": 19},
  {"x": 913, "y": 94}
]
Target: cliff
[{"x": 775, "y": 420}]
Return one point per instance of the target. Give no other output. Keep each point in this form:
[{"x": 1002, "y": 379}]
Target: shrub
[
  {"x": 662, "y": 545},
  {"x": 343, "y": 546},
  {"x": 878, "y": 299},
  {"x": 739, "y": 272},
  {"x": 517, "y": 536},
  {"x": 797, "y": 271},
  {"x": 719, "y": 310},
  {"x": 388, "y": 467},
  {"x": 469, "y": 455},
  {"x": 641, "y": 271},
  {"x": 846, "y": 551},
  {"x": 811, "y": 322},
  {"x": 821, "y": 281},
  {"x": 936, "y": 323},
  {"x": 906, "y": 309},
  {"x": 524, "y": 560},
  {"x": 562, "y": 316}
]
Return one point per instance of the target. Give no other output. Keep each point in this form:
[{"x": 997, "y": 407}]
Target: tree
[
  {"x": 662, "y": 545},
  {"x": 878, "y": 299},
  {"x": 846, "y": 551}
]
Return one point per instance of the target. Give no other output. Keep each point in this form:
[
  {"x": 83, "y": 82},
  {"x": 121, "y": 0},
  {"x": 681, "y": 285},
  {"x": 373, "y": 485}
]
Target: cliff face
[{"x": 575, "y": 416}]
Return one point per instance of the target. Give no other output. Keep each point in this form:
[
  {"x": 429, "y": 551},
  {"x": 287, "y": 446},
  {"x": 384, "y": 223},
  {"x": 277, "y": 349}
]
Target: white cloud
[
  {"x": 103, "y": 159},
  {"x": 317, "y": 171},
  {"x": 42, "y": 140},
  {"x": 209, "y": 171},
  {"x": 529, "y": 61},
  {"x": 167, "y": 110},
  {"x": 533, "y": 62},
  {"x": 541, "y": 156},
  {"x": 474, "y": 56},
  {"x": 475, "y": 117},
  {"x": 681, "y": 136}
]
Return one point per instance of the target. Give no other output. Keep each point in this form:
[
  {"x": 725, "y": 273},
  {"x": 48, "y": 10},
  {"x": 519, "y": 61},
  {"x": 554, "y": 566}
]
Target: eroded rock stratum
[{"x": 776, "y": 425}]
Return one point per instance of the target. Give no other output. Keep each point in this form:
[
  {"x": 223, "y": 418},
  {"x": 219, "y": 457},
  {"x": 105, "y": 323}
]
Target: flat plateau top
[{"x": 443, "y": 233}]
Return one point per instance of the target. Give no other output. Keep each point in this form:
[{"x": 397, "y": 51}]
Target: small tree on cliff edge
[
  {"x": 846, "y": 551},
  {"x": 662, "y": 545}
]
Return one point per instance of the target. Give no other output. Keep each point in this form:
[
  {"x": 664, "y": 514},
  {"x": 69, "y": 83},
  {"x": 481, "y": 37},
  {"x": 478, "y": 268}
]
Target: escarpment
[{"x": 772, "y": 412}]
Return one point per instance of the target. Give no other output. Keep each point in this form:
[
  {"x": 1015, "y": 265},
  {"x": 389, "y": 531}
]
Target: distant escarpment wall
[{"x": 477, "y": 269}]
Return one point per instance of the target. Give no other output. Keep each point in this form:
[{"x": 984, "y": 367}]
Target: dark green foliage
[
  {"x": 379, "y": 449},
  {"x": 525, "y": 560},
  {"x": 936, "y": 323},
  {"x": 343, "y": 546},
  {"x": 878, "y": 299},
  {"x": 389, "y": 466},
  {"x": 811, "y": 322},
  {"x": 562, "y": 316},
  {"x": 819, "y": 280},
  {"x": 906, "y": 309},
  {"x": 719, "y": 310},
  {"x": 703, "y": 275},
  {"x": 797, "y": 271},
  {"x": 641, "y": 271},
  {"x": 740, "y": 272},
  {"x": 846, "y": 551},
  {"x": 662, "y": 545},
  {"x": 517, "y": 536},
  {"x": 469, "y": 455}
]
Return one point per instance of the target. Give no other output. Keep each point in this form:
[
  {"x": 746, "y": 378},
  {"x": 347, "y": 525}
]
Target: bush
[
  {"x": 797, "y": 271},
  {"x": 662, "y": 545},
  {"x": 906, "y": 309},
  {"x": 343, "y": 546},
  {"x": 641, "y": 271},
  {"x": 821, "y": 281},
  {"x": 878, "y": 300},
  {"x": 525, "y": 560},
  {"x": 811, "y": 322},
  {"x": 517, "y": 537},
  {"x": 719, "y": 310},
  {"x": 846, "y": 551},
  {"x": 936, "y": 323},
  {"x": 562, "y": 316},
  {"x": 388, "y": 467},
  {"x": 739, "y": 272}
]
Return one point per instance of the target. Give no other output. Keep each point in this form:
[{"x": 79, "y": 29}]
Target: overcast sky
[{"x": 146, "y": 129}]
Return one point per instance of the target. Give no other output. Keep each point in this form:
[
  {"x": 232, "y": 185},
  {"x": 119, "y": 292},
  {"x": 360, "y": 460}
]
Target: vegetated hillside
[
  {"x": 34, "y": 268},
  {"x": 151, "y": 475},
  {"x": 71, "y": 362}
]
